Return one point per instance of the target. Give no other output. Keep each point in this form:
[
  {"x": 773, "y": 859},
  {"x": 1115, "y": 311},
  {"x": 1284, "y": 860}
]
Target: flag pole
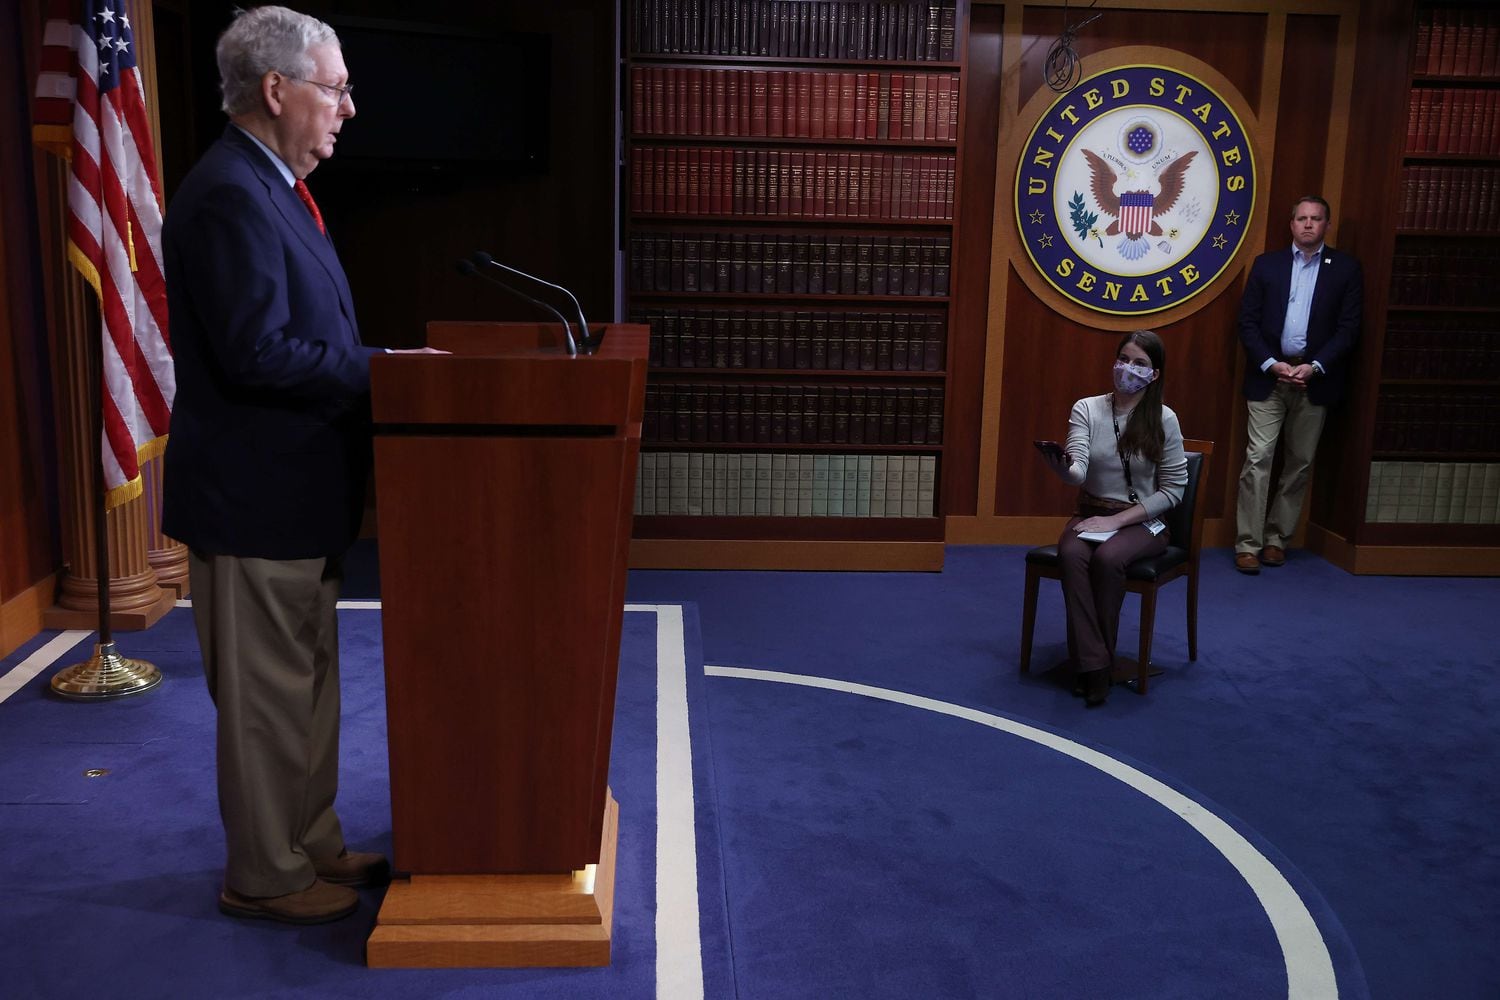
[{"x": 106, "y": 674}]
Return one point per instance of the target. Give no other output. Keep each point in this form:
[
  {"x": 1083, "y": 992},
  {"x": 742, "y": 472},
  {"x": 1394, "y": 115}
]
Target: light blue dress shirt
[{"x": 1299, "y": 304}]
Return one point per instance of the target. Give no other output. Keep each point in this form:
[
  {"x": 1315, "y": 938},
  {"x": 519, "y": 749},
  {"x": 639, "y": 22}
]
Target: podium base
[{"x": 500, "y": 921}]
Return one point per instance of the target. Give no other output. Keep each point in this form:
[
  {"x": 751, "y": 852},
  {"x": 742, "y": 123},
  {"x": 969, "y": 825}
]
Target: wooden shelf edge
[
  {"x": 716, "y": 60},
  {"x": 765, "y": 554},
  {"x": 798, "y": 297},
  {"x": 1014, "y": 529},
  {"x": 752, "y": 141},
  {"x": 843, "y": 221},
  {"x": 1404, "y": 560}
]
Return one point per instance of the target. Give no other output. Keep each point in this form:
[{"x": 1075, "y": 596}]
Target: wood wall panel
[
  {"x": 1301, "y": 123},
  {"x": 1230, "y": 42},
  {"x": 1050, "y": 360},
  {"x": 1363, "y": 223},
  {"x": 29, "y": 546},
  {"x": 974, "y": 241}
]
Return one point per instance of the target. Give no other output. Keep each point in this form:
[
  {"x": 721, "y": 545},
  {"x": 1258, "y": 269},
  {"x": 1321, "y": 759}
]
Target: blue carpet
[
  {"x": 848, "y": 846},
  {"x": 1347, "y": 721},
  {"x": 111, "y": 882}
]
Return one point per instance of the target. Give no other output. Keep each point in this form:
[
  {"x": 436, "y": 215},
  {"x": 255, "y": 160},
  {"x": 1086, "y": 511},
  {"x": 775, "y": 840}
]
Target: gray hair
[{"x": 260, "y": 40}]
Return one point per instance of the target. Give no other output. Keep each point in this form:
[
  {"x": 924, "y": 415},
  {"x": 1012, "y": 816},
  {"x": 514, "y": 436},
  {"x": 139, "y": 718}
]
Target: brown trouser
[
  {"x": 1093, "y": 582},
  {"x": 269, "y": 635}
]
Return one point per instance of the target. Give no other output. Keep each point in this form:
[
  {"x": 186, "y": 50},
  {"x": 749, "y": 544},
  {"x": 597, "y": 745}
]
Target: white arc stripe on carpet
[
  {"x": 49, "y": 653},
  {"x": 1309, "y": 967}
]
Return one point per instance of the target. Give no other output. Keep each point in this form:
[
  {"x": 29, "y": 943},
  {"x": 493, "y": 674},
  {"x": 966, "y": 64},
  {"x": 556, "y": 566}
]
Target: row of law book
[
  {"x": 1434, "y": 493},
  {"x": 768, "y": 339},
  {"x": 1460, "y": 199},
  {"x": 1455, "y": 420},
  {"x": 792, "y": 414},
  {"x": 1444, "y": 275},
  {"x": 799, "y": 104},
  {"x": 789, "y": 263},
  {"x": 776, "y": 484},
  {"x": 1429, "y": 349},
  {"x": 1454, "y": 120},
  {"x": 1457, "y": 41},
  {"x": 698, "y": 180},
  {"x": 900, "y": 30}
]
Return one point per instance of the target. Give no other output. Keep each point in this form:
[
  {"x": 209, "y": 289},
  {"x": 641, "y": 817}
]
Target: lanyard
[{"x": 1124, "y": 462}]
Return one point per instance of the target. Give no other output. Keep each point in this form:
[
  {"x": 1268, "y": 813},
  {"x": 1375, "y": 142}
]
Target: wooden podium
[{"x": 504, "y": 480}]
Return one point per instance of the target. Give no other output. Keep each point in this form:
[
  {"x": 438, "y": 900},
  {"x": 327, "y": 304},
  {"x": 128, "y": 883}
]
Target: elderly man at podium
[{"x": 267, "y": 460}]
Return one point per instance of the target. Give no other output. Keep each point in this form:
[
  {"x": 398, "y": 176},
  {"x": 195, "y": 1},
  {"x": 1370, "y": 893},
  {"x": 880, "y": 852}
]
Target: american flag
[
  {"x": 1135, "y": 212},
  {"x": 88, "y": 67}
]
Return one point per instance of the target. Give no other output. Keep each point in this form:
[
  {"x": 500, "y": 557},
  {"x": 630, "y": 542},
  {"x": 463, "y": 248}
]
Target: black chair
[{"x": 1145, "y": 575}]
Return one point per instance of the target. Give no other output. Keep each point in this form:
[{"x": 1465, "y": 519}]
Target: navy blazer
[
  {"x": 1332, "y": 324},
  {"x": 270, "y": 444}
]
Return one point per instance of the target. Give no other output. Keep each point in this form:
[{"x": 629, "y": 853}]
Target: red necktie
[{"x": 312, "y": 206}]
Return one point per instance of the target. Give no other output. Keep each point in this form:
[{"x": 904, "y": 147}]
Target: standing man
[
  {"x": 267, "y": 461},
  {"x": 1299, "y": 321}
]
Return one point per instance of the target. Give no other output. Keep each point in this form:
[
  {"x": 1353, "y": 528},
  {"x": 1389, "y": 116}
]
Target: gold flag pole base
[{"x": 106, "y": 674}]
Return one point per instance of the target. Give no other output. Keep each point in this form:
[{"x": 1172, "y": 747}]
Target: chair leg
[
  {"x": 1028, "y": 616},
  {"x": 1192, "y": 614},
  {"x": 1148, "y": 625}
]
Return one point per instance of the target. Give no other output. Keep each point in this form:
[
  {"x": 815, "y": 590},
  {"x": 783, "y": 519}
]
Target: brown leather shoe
[
  {"x": 354, "y": 868},
  {"x": 317, "y": 904},
  {"x": 1246, "y": 562},
  {"x": 1273, "y": 555}
]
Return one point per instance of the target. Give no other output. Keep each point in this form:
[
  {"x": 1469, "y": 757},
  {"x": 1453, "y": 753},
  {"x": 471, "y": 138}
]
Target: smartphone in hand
[{"x": 1052, "y": 450}]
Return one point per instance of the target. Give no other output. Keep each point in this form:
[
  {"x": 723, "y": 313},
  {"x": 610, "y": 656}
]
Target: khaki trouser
[
  {"x": 269, "y": 636},
  {"x": 1286, "y": 413}
]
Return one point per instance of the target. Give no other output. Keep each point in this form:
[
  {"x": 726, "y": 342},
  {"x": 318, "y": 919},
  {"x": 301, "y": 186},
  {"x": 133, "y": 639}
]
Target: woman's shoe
[{"x": 1096, "y": 687}]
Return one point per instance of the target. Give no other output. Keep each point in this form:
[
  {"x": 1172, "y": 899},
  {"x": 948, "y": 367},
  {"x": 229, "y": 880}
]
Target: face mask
[{"x": 1130, "y": 380}]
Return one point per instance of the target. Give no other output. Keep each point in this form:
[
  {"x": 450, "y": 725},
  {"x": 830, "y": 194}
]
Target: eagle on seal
[{"x": 1135, "y": 211}]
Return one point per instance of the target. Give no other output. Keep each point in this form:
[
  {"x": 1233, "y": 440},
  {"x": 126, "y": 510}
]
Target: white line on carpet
[
  {"x": 46, "y": 655},
  {"x": 679, "y": 954},
  {"x": 1309, "y": 967}
]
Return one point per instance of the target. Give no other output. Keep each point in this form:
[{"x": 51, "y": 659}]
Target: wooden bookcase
[
  {"x": 791, "y": 170},
  {"x": 1434, "y": 473}
]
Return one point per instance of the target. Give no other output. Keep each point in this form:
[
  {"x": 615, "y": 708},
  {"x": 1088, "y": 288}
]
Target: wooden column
[{"x": 166, "y": 555}]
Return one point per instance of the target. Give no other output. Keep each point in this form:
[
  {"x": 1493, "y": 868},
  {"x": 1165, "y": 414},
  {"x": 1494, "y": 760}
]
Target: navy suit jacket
[
  {"x": 1332, "y": 323},
  {"x": 270, "y": 444}
]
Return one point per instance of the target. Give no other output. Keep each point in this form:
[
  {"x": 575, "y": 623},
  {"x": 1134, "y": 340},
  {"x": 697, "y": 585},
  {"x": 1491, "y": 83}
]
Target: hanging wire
[{"x": 1063, "y": 68}]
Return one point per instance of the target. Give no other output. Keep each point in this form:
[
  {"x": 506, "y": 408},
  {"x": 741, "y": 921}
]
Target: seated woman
[{"x": 1124, "y": 449}]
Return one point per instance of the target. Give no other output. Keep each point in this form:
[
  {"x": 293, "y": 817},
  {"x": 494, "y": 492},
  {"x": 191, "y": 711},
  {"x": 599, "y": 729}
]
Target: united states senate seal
[{"x": 1134, "y": 190}]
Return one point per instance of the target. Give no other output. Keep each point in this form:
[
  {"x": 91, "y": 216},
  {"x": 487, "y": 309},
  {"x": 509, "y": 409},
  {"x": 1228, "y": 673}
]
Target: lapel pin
[{"x": 1328, "y": 260}]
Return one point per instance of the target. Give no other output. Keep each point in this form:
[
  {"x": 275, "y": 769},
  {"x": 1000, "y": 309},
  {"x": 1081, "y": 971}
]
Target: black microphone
[
  {"x": 467, "y": 267},
  {"x": 587, "y": 343}
]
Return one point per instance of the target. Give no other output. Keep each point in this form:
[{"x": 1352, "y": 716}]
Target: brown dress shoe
[
  {"x": 1273, "y": 555},
  {"x": 354, "y": 868},
  {"x": 1246, "y": 562},
  {"x": 317, "y": 904}
]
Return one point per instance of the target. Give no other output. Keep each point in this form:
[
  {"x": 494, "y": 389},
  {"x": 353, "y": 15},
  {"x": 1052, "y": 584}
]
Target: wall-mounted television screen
[{"x": 429, "y": 95}]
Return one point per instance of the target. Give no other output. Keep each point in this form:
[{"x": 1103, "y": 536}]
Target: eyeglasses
[{"x": 345, "y": 91}]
